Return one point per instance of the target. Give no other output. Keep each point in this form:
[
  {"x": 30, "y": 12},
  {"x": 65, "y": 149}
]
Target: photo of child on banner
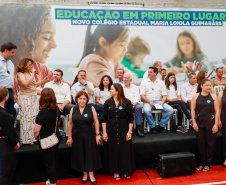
[
  {"x": 189, "y": 57},
  {"x": 103, "y": 51},
  {"x": 32, "y": 29}
]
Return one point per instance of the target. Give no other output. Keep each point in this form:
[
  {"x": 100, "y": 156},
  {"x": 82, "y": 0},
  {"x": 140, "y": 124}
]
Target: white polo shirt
[{"x": 132, "y": 93}]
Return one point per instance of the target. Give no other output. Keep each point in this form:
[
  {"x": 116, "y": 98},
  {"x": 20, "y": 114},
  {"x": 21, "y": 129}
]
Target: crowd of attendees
[{"x": 107, "y": 110}]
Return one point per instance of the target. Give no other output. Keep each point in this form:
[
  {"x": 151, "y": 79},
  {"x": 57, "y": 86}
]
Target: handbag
[{"x": 51, "y": 140}]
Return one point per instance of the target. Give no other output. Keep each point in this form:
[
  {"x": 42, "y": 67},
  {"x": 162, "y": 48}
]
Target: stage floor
[{"x": 30, "y": 167}]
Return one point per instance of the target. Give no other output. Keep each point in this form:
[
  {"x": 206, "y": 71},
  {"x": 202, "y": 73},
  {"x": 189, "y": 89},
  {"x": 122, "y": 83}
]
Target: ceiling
[{"x": 219, "y": 4}]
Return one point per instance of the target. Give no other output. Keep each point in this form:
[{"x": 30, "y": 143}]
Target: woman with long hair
[
  {"x": 46, "y": 125},
  {"x": 174, "y": 99},
  {"x": 188, "y": 50},
  {"x": 203, "y": 75},
  {"x": 103, "y": 91},
  {"x": 206, "y": 116},
  {"x": 34, "y": 35},
  {"x": 8, "y": 141},
  {"x": 84, "y": 137},
  {"x": 28, "y": 106},
  {"x": 117, "y": 124},
  {"x": 103, "y": 50}
]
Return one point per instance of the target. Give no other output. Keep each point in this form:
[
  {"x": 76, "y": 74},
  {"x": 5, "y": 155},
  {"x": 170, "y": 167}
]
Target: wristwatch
[
  {"x": 97, "y": 134},
  {"x": 85, "y": 84}
]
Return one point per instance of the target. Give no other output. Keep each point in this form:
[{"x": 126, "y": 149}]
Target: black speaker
[{"x": 176, "y": 164}]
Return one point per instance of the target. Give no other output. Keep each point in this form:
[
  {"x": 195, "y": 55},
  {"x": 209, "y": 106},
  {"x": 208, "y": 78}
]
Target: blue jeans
[
  {"x": 9, "y": 104},
  {"x": 167, "y": 109},
  {"x": 99, "y": 109}
]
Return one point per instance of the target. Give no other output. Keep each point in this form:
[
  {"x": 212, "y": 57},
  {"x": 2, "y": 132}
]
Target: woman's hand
[
  {"x": 98, "y": 139},
  {"x": 128, "y": 136},
  {"x": 195, "y": 126},
  {"x": 214, "y": 129},
  {"x": 69, "y": 141},
  {"x": 220, "y": 124},
  {"x": 17, "y": 146},
  {"x": 105, "y": 136}
]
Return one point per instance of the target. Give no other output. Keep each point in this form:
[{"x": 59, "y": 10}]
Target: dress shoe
[
  {"x": 94, "y": 182},
  {"x": 139, "y": 133},
  {"x": 161, "y": 129},
  {"x": 153, "y": 130},
  {"x": 84, "y": 181}
]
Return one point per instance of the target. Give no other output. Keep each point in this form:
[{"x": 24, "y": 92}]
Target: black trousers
[
  {"x": 188, "y": 105},
  {"x": 206, "y": 142},
  {"x": 7, "y": 163},
  {"x": 181, "y": 107},
  {"x": 50, "y": 160},
  {"x": 223, "y": 129}
]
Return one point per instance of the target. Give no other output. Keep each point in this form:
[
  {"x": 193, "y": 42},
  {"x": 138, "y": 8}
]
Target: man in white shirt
[
  {"x": 188, "y": 89},
  {"x": 158, "y": 65},
  {"x": 62, "y": 92},
  {"x": 131, "y": 92},
  {"x": 120, "y": 74},
  {"x": 83, "y": 85},
  {"x": 153, "y": 91}
]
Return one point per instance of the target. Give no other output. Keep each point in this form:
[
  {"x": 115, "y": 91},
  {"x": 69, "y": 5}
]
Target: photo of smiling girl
[
  {"x": 103, "y": 50},
  {"x": 32, "y": 29},
  {"x": 188, "y": 50}
]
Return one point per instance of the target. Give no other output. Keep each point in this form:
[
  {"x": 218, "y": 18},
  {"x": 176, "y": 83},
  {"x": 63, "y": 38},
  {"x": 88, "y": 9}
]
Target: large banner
[{"x": 102, "y": 40}]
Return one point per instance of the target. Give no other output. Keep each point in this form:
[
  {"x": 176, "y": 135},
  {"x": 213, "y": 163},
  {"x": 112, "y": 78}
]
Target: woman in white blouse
[
  {"x": 103, "y": 91},
  {"x": 174, "y": 99}
]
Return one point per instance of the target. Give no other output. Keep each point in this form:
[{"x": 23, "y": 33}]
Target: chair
[
  {"x": 175, "y": 114},
  {"x": 219, "y": 88},
  {"x": 157, "y": 113}
]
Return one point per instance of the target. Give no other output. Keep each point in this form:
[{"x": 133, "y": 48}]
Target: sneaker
[
  {"x": 191, "y": 123},
  {"x": 181, "y": 129},
  {"x": 161, "y": 129}
]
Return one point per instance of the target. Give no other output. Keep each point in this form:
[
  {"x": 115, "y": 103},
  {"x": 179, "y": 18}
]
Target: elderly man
[
  {"x": 218, "y": 79},
  {"x": 153, "y": 91},
  {"x": 131, "y": 92},
  {"x": 120, "y": 74}
]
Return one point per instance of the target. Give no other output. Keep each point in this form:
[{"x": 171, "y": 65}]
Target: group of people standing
[{"x": 110, "y": 114}]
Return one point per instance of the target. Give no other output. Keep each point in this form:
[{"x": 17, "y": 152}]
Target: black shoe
[
  {"x": 139, "y": 133},
  {"x": 153, "y": 130},
  {"x": 161, "y": 129},
  {"x": 85, "y": 181},
  {"x": 94, "y": 182}
]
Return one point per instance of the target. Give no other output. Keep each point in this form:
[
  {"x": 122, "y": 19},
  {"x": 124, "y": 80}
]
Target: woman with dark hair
[
  {"x": 174, "y": 99},
  {"x": 103, "y": 50},
  {"x": 202, "y": 75},
  {"x": 222, "y": 123},
  {"x": 117, "y": 123},
  {"x": 45, "y": 125},
  {"x": 206, "y": 116},
  {"x": 103, "y": 92},
  {"x": 34, "y": 36},
  {"x": 8, "y": 141},
  {"x": 84, "y": 137},
  {"x": 28, "y": 102}
]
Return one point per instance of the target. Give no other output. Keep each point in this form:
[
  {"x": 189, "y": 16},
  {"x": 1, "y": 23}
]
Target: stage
[{"x": 30, "y": 166}]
